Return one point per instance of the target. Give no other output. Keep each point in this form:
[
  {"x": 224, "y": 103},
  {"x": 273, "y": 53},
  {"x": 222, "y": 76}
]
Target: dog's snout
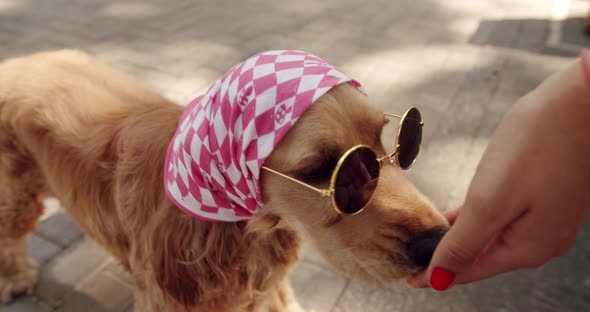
[{"x": 421, "y": 248}]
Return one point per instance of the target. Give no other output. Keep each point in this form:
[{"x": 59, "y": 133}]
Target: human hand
[{"x": 531, "y": 192}]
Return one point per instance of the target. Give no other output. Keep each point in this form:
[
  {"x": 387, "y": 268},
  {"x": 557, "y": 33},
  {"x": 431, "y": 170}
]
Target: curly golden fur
[{"x": 96, "y": 139}]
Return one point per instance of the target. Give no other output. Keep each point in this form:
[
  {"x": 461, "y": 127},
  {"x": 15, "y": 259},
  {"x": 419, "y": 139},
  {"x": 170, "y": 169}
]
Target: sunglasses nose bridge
[{"x": 390, "y": 157}]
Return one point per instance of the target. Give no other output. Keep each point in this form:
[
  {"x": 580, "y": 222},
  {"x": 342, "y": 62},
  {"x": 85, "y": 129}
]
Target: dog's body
[{"x": 97, "y": 139}]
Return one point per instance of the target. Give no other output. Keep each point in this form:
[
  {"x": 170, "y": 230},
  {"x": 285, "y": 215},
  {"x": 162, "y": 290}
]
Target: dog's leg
[
  {"x": 20, "y": 208},
  {"x": 150, "y": 299},
  {"x": 287, "y": 299},
  {"x": 18, "y": 272}
]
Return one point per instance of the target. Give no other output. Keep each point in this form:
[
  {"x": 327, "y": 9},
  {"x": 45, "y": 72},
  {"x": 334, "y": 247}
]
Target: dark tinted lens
[
  {"x": 410, "y": 138},
  {"x": 356, "y": 180}
]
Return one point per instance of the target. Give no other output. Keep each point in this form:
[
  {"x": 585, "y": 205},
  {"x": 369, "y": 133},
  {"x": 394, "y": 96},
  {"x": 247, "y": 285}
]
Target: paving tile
[
  {"x": 60, "y": 229},
  {"x": 130, "y": 308},
  {"x": 362, "y": 297},
  {"x": 452, "y": 73},
  {"x": 116, "y": 271},
  {"x": 41, "y": 249},
  {"x": 312, "y": 256},
  {"x": 317, "y": 288},
  {"x": 59, "y": 278},
  {"x": 100, "y": 292},
  {"x": 533, "y": 34},
  {"x": 26, "y": 304}
]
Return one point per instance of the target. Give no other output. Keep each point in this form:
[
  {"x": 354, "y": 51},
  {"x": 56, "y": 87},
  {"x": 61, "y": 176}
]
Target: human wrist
[{"x": 567, "y": 91}]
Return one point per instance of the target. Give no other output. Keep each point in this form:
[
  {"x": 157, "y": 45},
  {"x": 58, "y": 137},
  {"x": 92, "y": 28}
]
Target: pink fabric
[{"x": 223, "y": 138}]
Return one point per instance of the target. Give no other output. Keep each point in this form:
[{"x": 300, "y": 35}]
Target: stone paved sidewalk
[{"x": 464, "y": 63}]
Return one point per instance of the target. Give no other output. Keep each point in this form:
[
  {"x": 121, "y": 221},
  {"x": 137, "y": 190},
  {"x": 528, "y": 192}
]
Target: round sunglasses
[{"x": 355, "y": 176}]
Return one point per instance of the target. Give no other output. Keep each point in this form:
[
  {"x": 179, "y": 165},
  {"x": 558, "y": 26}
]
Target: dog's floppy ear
[
  {"x": 165, "y": 252},
  {"x": 192, "y": 259}
]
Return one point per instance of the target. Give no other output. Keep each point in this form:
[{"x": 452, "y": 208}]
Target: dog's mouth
[
  {"x": 378, "y": 266},
  {"x": 401, "y": 258}
]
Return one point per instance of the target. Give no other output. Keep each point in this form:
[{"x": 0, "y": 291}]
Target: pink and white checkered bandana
[{"x": 214, "y": 160}]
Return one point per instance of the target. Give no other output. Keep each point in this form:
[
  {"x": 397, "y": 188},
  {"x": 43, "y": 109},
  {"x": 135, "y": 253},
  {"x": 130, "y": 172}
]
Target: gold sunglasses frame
[
  {"x": 329, "y": 192},
  {"x": 399, "y": 129}
]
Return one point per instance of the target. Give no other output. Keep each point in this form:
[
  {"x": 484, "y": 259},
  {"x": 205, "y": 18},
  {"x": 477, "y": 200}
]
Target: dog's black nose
[{"x": 421, "y": 247}]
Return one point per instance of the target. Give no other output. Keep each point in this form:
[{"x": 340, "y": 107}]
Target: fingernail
[{"x": 441, "y": 279}]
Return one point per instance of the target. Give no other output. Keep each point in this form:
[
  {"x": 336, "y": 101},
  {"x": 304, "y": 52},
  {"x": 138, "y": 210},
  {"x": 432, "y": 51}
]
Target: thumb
[{"x": 473, "y": 229}]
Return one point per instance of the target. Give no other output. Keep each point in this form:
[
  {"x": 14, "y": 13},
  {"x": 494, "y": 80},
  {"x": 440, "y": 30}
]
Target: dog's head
[{"x": 395, "y": 235}]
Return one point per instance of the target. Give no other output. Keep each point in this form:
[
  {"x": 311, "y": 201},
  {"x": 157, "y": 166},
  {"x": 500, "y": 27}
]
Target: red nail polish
[{"x": 441, "y": 279}]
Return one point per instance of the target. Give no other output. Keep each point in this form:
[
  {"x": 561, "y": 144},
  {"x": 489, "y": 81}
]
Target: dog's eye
[{"x": 319, "y": 171}]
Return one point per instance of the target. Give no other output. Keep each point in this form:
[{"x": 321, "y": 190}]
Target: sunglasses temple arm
[
  {"x": 323, "y": 192},
  {"x": 392, "y": 115},
  {"x": 398, "y": 116}
]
